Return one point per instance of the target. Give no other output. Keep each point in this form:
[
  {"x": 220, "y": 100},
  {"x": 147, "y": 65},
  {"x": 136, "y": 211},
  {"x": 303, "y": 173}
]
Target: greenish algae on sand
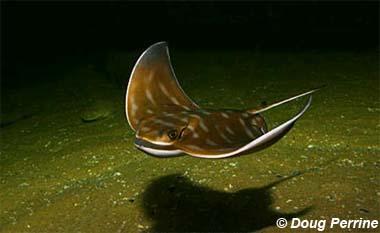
[{"x": 62, "y": 174}]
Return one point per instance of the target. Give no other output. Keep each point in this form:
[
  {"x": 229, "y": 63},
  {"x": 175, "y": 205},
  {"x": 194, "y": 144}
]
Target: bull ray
[{"x": 168, "y": 123}]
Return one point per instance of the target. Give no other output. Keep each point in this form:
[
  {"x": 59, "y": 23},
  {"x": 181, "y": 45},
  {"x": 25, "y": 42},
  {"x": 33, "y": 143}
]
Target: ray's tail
[{"x": 256, "y": 111}]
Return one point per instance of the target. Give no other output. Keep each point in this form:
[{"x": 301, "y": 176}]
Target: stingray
[{"x": 168, "y": 123}]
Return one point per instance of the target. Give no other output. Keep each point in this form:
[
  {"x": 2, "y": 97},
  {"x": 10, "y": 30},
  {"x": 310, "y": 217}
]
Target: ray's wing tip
[
  {"x": 309, "y": 102},
  {"x": 157, "y": 45},
  {"x": 303, "y": 110},
  {"x": 153, "y": 53},
  {"x": 163, "y": 43}
]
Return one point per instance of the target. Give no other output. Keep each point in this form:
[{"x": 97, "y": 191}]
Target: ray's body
[
  {"x": 233, "y": 128},
  {"x": 168, "y": 123}
]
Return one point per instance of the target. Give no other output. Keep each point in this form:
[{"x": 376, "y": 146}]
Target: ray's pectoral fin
[
  {"x": 275, "y": 134},
  {"x": 153, "y": 87},
  {"x": 263, "y": 141}
]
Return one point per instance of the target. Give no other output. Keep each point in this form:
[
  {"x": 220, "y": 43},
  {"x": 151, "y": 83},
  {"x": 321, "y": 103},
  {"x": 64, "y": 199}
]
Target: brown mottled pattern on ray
[
  {"x": 154, "y": 88},
  {"x": 212, "y": 133}
]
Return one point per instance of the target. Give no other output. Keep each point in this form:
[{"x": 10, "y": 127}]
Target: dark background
[{"x": 41, "y": 32}]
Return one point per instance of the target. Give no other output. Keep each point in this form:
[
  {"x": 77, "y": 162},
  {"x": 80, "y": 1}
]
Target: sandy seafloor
[{"x": 61, "y": 174}]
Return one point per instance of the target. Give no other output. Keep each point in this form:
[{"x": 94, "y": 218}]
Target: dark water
[{"x": 68, "y": 162}]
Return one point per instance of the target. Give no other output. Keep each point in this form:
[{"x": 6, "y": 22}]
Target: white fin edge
[{"x": 160, "y": 153}]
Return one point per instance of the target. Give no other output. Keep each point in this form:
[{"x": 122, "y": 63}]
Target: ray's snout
[
  {"x": 142, "y": 143},
  {"x": 155, "y": 150},
  {"x": 139, "y": 142}
]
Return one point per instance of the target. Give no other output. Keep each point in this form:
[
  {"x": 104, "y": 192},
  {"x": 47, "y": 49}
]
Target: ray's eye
[{"x": 172, "y": 134}]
